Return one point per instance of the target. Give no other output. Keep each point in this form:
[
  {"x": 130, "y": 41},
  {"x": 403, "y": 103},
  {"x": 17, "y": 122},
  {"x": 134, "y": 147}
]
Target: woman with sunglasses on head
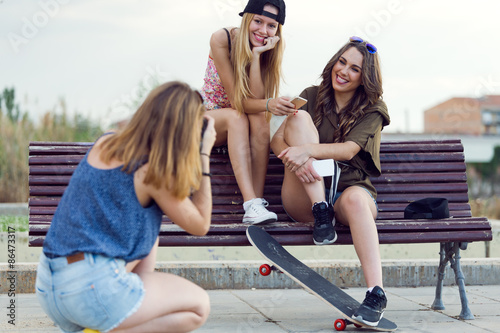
[
  {"x": 240, "y": 88},
  {"x": 97, "y": 266},
  {"x": 342, "y": 120}
]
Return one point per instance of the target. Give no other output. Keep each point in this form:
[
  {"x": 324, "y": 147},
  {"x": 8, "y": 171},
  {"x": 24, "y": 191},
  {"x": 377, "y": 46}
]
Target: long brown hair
[
  {"x": 270, "y": 64},
  {"x": 367, "y": 94},
  {"x": 163, "y": 133}
]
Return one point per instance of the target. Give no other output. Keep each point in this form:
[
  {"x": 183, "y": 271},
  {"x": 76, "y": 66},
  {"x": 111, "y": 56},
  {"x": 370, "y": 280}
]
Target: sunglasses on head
[{"x": 370, "y": 47}]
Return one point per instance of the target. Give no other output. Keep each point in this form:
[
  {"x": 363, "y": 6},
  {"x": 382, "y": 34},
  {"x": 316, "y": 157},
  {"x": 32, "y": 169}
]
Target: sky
[{"x": 99, "y": 56}]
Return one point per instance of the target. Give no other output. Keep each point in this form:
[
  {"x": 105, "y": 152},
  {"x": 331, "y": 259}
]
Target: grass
[
  {"x": 489, "y": 207},
  {"x": 18, "y": 223}
]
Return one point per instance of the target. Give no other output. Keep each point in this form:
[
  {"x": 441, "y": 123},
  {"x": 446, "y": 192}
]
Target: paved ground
[{"x": 295, "y": 310}]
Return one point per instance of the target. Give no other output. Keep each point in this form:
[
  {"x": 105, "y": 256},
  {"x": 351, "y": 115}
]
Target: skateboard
[{"x": 284, "y": 262}]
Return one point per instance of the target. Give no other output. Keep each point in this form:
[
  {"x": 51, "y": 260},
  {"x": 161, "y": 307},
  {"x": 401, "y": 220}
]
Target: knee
[
  {"x": 300, "y": 126},
  {"x": 298, "y": 121},
  {"x": 203, "y": 309},
  {"x": 354, "y": 199},
  {"x": 259, "y": 124},
  {"x": 238, "y": 121}
]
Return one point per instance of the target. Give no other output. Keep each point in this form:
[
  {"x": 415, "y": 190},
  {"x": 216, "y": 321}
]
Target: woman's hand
[
  {"x": 270, "y": 43},
  {"x": 306, "y": 173},
  {"x": 294, "y": 157},
  {"x": 209, "y": 135},
  {"x": 281, "y": 106}
]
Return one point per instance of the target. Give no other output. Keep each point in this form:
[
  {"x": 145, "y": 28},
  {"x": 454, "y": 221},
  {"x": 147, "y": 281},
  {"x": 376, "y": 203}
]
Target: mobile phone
[
  {"x": 324, "y": 168},
  {"x": 298, "y": 102}
]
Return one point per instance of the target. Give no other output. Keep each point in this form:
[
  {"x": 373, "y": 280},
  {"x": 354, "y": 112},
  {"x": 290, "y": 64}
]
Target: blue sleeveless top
[{"x": 99, "y": 213}]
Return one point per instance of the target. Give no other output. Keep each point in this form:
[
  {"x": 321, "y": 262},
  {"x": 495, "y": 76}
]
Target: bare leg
[
  {"x": 171, "y": 304},
  {"x": 300, "y": 130},
  {"x": 259, "y": 144},
  {"x": 355, "y": 208},
  {"x": 233, "y": 128}
]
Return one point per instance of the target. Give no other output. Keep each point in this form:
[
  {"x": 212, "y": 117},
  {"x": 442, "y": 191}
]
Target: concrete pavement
[{"x": 295, "y": 310}]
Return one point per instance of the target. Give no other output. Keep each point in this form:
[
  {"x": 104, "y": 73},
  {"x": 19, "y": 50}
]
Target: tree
[
  {"x": 13, "y": 112},
  {"x": 489, "y": 172}
]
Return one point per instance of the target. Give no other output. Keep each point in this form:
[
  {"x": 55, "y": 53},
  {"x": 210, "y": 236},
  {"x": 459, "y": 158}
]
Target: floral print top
[{"x": 214, "y": 95}]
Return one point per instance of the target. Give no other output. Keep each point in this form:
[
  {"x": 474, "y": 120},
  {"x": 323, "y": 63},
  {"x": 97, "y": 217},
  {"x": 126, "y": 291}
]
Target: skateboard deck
[{"x": 344, "y": 304}]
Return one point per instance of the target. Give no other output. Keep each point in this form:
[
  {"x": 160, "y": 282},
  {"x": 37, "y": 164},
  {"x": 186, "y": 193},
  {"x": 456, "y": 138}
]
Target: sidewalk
[{"x": 295, "y": 310}]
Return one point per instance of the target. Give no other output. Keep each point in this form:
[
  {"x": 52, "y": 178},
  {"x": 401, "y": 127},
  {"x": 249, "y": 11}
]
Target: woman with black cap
[{"x": 241, "y": 87}]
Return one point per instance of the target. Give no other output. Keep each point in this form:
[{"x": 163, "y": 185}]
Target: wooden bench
[{"x": 411, "y": 170}]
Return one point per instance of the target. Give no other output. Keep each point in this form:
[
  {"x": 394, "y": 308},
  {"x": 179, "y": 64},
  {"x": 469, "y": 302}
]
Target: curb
[
  {"x": 14, "y": 209},
  {"x": 212, "y": 275}
]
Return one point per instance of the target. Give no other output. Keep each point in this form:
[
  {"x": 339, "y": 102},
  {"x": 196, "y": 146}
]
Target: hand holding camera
[{"x": 208, "y": 135}]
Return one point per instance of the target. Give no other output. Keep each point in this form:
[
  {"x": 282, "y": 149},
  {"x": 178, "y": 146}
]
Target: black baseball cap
[
  {"x": 257, "y": 7},
  {"x": 428, "y": 208}
]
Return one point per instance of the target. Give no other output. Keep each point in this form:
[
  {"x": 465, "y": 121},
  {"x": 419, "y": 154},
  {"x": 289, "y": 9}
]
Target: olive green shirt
[{"x": 366, "y": 133}]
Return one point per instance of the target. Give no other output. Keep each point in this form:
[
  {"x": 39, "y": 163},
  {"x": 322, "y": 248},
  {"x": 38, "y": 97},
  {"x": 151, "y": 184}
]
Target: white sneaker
[{"x": 256, "y": 212}]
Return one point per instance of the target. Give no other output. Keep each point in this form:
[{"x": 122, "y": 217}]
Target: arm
[
  {"x": 310, "y": 152},
  {"x": 255, "y": 76},
  {"x": 280, "y": 106},
  {"x": 258, "y": 103},
  {"x": 193, "y": 215},
  {"x": 297, "y": 156},
  {"x": 219, "y": 50},
  {"x": 355, "y": 140}
]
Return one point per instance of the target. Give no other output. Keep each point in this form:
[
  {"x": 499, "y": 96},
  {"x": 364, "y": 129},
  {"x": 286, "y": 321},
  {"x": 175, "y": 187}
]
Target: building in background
[{"x": 463, "y": 115}]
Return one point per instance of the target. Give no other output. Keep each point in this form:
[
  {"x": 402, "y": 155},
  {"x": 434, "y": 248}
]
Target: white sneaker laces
[{"x": 259, "y": 207}]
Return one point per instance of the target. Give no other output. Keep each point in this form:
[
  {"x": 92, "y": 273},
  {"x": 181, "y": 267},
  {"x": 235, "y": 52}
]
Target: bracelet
[
  {"x": 208, "y": 174},
  {"x": 204, "y": 154},
  {"x": 267, "y": 104}
]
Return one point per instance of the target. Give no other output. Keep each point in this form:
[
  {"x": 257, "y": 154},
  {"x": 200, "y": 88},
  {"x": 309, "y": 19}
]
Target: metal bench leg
[
  {"x": 450, "y": 252},
  {"x": 443, "y": 261},
  {"x": 460, "y": 280}
]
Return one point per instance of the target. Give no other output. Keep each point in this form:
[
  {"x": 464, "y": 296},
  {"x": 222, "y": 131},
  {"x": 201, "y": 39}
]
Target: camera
[{"x": 204, "y": 126}]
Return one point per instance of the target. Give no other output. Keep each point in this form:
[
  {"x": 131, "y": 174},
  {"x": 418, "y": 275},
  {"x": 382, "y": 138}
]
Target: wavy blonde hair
[
  {"x": 161, "y": 133},
  {"x": 366, "y": 95},
  {"x": 270, "y": 64}
]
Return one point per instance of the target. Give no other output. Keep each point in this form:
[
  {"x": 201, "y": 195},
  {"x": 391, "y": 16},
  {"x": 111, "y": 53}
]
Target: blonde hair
[
  {"x": 270, "y": 64},
  {"x": 161, "y": 133}
]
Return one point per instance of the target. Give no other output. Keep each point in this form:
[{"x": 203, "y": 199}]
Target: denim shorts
[
  {"x": 339, "y": 193},
  {"x": 96, "y": 292}
]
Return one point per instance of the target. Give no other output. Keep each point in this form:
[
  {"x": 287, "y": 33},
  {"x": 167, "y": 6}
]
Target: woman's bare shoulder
[{"x": 220, "y": 36}]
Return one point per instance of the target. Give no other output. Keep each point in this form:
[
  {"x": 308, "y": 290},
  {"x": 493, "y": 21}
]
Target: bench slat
[
  {"x": 394, "y": 226},
  {"x": 450, "y": 177}
]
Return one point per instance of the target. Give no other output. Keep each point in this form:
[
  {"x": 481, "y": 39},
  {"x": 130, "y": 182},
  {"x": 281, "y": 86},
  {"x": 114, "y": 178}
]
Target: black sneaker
[
  {"x": 372, "y": 309},
  {"x": 324, "y": 226}
]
